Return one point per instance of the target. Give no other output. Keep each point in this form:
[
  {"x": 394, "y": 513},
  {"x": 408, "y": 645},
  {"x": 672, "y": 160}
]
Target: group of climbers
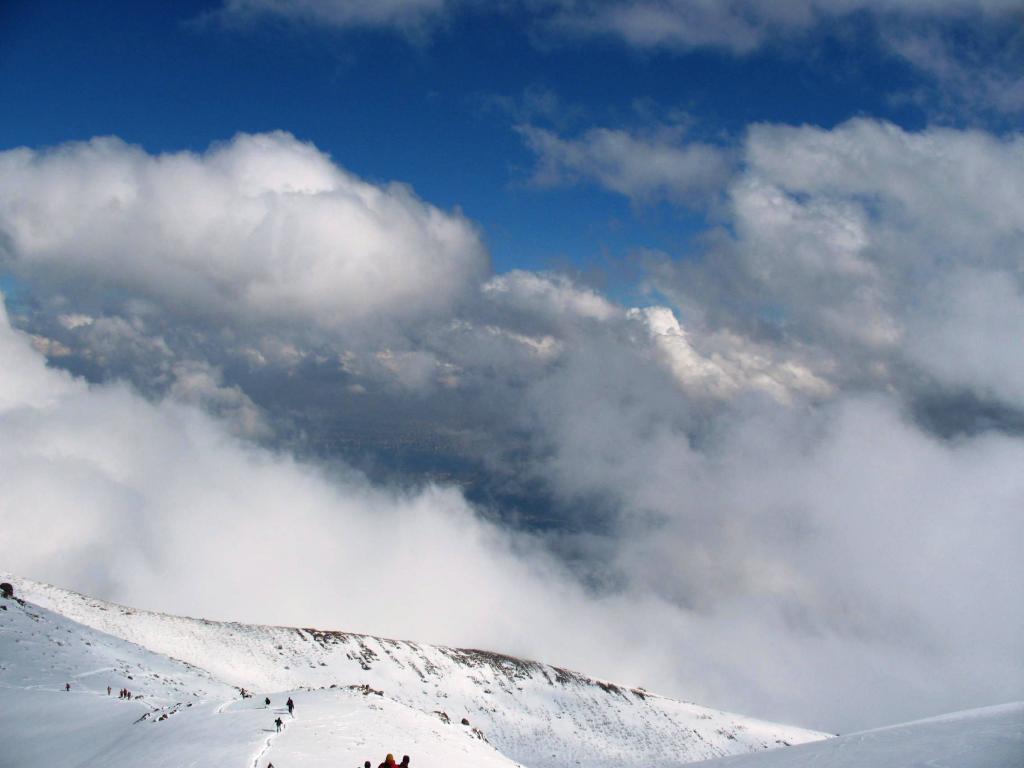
[
  {"x": 389, "y": 762},
  {"x": 124, "y": 694}
]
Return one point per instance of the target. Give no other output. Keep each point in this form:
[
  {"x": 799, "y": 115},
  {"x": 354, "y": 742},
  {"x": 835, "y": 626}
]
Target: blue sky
[{"x": 436, "y": 110}]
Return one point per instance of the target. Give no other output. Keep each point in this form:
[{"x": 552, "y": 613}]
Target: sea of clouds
[{"x": 794, "y": 477}]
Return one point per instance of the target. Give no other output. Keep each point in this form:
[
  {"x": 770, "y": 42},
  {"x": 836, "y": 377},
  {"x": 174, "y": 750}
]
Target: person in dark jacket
[
  {"x": 405, "y": 761},
  {"x": 291, "y": 706},
  {"x": 267, "y": 701},
  {"x": 279, "y": 722},
  {"x": 67, "y": 687}
]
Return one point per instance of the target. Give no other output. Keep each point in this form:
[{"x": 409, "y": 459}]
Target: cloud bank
[{"x": 763, "y": 558}]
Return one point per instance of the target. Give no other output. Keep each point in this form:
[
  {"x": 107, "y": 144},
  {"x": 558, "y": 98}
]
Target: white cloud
[
  {"x": 199, "y": 383},
  {"x": 796, "y": 559},
  {"x": 972, "y": 78},
  {"x": 878, "y": 225},
  {"x": 261, "y": 228},
  {"x": 926, "y": 34},
  {"x": 731, "y": 366},
  {"x": 158, "y": 504},
  {"x": 735, "y": 25},
  {"x": 740, "y": 26},
  {"x": 969, "y": 331},
  {"x": 548, "y": 294},
  {"x": 404, "y": 14},
  {"x": 73, "y": 321},
  {"x": 659, "y": 166}
]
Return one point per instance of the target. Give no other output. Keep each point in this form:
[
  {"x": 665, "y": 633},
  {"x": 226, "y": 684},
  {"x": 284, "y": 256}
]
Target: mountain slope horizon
[{"x": 531, "y": 713}]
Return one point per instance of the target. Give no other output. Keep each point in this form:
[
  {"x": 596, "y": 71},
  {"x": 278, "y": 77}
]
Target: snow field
[
  {"x": 992, "y": 737},
  {"x": 388, "y": 696},
  {"x": 535, "y": 714}
]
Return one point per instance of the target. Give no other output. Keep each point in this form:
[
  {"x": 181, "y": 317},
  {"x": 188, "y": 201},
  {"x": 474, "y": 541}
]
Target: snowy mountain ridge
[
  {"x": 181, "y": 716},
  {"x": 525, "y": 712}
]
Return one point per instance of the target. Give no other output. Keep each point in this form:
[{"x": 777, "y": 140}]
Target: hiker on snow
[
  {"x": 67, "y": 686},
  {"x": 291, "y": 706},
  {"x": 108, "y": 690},
  {"x": 279, "y": 722},
  {"x": 405, "y": 762},
  {"x": 389, "y": 762},
  {"x": 267, "y": 701}
]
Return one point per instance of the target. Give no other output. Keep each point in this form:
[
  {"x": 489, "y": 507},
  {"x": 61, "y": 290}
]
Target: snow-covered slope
[
  {"x": 992, "y": 737},
  {"x": 180, "y": 715},
  {"x": 532, "y": 713}
]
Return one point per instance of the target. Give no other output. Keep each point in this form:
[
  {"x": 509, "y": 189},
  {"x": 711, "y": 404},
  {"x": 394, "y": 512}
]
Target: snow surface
[
  {"x": 992, "y": 737},
  {"x": 180, "y": 716},
  {"x": 357, "y": 697}
]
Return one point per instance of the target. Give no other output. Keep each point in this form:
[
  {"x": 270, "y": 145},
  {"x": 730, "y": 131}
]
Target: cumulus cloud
[
  {"x": 869, "y": 244},
  {"x": 260, "y": 228},
  {"x": 658, "y": 166},
  {"x": 551, "y": 295},
  {"x": 730, "y": 366}
]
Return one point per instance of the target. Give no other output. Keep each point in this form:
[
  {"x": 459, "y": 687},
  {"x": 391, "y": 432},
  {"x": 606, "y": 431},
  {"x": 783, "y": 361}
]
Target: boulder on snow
[
  {"x": 7, "y": 590},
  {"x": 465, "y": 721}
]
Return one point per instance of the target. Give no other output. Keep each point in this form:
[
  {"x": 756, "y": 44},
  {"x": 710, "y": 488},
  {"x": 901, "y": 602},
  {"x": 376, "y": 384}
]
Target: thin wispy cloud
[{"x": 659, "y": 164}]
